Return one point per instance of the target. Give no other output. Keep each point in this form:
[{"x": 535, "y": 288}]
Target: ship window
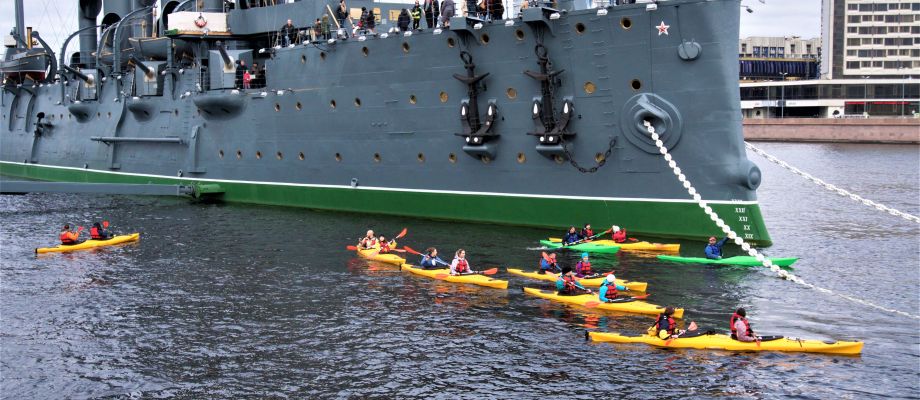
[
  {"x": 421, "y": 157},
  {"x": 579, "y": 28},
  {"x": 452, "y": 158},
  {"x": 338, "y": 157},
  {"x": 519, "y": 34},
  {"x": 377, "y": 157},
  {"x": 279, "y": 156},
  {"x": 484, "y": 38},
  {"x": 258, "y": 155},
  {"x": 364, "y": 51},
  {"x": 636, "y": 84},
  {"x": 357, "y": 102},
  {"x": 277, "y": 107},
  {"x": 239, "y": 154},
  {"x": 626, "y": 23},
  {"x": 443, "y": 97},
  {"x": 298, "y": 106},
  {"x": 220, "y": 154},
  {"x": 590, "y": 87},
  {"x": 450, "y": 42},
  {"x": 412, "y": 99},
  {"x": 332, "y": 104},
  {"x": 300, "y": 156},
  {"x": 521, "y": 158},
  {"x": 405, "y": 47},
  {"x": 303, "y": 59},
  {"x": 511, "y": 93}
]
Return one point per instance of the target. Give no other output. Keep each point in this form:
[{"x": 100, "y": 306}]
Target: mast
[{"x": 20, "y": 29}]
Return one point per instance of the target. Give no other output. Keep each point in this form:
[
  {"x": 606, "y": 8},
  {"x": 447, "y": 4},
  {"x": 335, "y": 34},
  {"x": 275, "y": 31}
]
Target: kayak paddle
[
  {"x": 593, "y": 304},
  {"x": 401, "y": 234},
  {"x": 490, "y": 271},
  {"x": 411, "y": 251},
  {"x": 105, "y": 224},
  {"x": 351, "y": 248},
  {"x": 690, "y": 328}
]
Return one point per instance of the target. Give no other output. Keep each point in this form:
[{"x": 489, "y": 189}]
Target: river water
[{"x": 221, "y": 301}]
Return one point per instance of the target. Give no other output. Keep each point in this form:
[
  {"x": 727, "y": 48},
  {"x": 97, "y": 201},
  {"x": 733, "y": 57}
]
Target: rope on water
[
  {"x": 828, "y": 186},
  {"x": 739, "y": 241}
]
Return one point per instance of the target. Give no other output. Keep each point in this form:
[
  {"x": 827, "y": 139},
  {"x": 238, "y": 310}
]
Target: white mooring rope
[
  {"x": 828, "y": 186},
  {"x": 739, "y": 241}
]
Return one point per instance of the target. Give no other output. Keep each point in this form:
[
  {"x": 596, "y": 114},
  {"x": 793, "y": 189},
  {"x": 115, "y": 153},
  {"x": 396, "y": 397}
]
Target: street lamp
[{"x": 782, "y": 102}]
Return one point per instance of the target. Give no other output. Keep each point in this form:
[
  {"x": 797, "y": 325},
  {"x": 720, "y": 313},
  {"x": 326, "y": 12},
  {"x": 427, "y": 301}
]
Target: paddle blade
[
  {"x": 79, "y": 229},
  {"x": 692, "y": 326},
  {"x": 592, "y": 304},
  {"x": 351, "y": 248},
  {"x": 546, "y": 256},
  {"x": 410, "y": 250},
  {"x": 401, "y": 234},
  {"x": 641, "y": 297},
  {"x": 441, "y": 276},
  {"x": 633, "y": 240},
  {"x": 490, "y": 271},
  {"x": 105, "y": 224},
  {"x": 398, "y": 250}
]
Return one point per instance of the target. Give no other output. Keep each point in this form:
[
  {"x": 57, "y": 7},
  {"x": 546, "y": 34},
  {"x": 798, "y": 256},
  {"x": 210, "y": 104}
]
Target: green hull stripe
[{"x": 663, "y": 219}]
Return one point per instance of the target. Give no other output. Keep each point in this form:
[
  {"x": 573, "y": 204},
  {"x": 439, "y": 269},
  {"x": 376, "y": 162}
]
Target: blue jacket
[
  {"x": 429, "y": 262},
  {"x": 571, "y": 238},
  {"x": 546, "y": 266},
  {"x": 714, "y": 251},
  {"x": 602, "y": 293}
]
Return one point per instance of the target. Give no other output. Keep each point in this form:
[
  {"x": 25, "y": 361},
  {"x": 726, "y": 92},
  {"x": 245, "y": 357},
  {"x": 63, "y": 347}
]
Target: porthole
[
  {"x": 451, "y": 42},
  {"x": 590, "y": 87},
  {"x": 485, "y": 159},
  {"x": 599, "y": 157},
  {"x": 377, "y": 157},
  {"x": 635, "y": 84},
  {"x": 365, "y": 51},
  {"x": 338, "y": 157},
  {"x": 300, "y": 156},
  {"x": 277, "y": 107},
  {"x": 322, "y": 55},
  {"x": 558, "y": 159},
  {"x": 303, "y": 59},
  {"x": 511, "y": 93},
  {"x": 519, "y": 34},
  {"x": 521, "y": 158},
  {"x": 239, "y": 154},
  {"x": 626, "y": 23},
  {"x": 279, "y": 156},
  {"x": 405, "y": 47},
  {"x": 452, "y": 158},
  {"x": 298, "y": 106},
  {"x": 443, "y": 97},
  {"x": 332, "y": 104},
  {"x": 220, "y": 154},
  {"x": 484, "y": 38},
  {"x": 421, "y": 157},
  {"x": 258, "y": 155},
  {"x": 579, "y": 28},
  {"x": 110, "y": 115},
  {"x": 412, "y": 99},
  {"x": 176, "y": 111},
  {"x": 98, "y": 115},
  {"x": 357, "y": 102}
]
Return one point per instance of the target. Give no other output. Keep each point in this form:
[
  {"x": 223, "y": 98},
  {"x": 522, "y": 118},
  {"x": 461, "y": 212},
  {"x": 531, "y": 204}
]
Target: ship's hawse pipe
[
  {"x": 81, "y": 76},
  {"x": 140, "y": 64}
]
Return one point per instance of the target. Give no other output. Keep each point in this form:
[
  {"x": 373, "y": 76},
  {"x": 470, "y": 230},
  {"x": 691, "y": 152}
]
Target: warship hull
[{"x": 373, "y": 124}]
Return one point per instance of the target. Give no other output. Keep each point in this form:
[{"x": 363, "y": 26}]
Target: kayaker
[
  {"x": 665, "y": 325},
  {"x": 586, "y": 233},
  {"x": 386, "y": 246},
  {"x": 571, "y": 237},
  {"x": 609, "y": 289},
  {"x": 548, "y": 264},
  {"x": 740, "y": 327},
  {"x": 714, "y": 249},
  {"x": 369, "y": 241},
  {"x": 98, "y": 233},
  {"x": 460, "y": 266},
  {"x": 583, "y": 268},
  {"x": 619, "y": 235},
  {"x": 566, "y": 285},
  {"x": 430, "y": 259},
  {"x": 69, "y": 237}
]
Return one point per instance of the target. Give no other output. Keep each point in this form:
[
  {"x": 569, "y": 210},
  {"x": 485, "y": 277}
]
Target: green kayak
[
  {"x": 588, "y": 247},
  {"x": 745, "y": 261}
]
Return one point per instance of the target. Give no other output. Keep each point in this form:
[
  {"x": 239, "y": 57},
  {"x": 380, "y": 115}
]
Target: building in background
[{"x": 767, "y": 58}]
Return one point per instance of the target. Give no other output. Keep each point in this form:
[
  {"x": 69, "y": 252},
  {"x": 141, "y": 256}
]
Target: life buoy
[{"x": 200, "y": 21}]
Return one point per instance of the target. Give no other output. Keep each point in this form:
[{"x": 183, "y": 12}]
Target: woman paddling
[
  {"x": 430, "y": 259},
  {"x": 460, "y": 266}
]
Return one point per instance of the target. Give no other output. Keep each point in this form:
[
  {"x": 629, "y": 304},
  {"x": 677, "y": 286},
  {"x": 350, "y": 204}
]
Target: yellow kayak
[
  {"x": 593, "y": 282},
  {"x": 637, "y": 306},
  {"x": 375, "y": 255},
  {"x": 89, "y": 244},
  {"x": 724, "y": 342},
  {"x": 444, "y": 274},
  {"x": 633, "y": 246}
]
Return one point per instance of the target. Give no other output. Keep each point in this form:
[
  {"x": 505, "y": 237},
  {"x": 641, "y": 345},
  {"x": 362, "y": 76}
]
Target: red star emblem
[{"x": 662, "y": 28}]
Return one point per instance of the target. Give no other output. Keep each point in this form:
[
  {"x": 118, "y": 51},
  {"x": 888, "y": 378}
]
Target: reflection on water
[{"x": 242, "y": 301}]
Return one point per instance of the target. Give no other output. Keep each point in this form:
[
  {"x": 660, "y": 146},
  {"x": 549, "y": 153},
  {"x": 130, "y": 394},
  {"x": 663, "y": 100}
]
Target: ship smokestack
[{"x": 89, "y": 10}]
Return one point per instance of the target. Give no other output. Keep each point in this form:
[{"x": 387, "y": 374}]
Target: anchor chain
[
  {"x": 571, "y": 158},
  {"x": 833, "y": 188},
  {"x": 739, "y": 241}
]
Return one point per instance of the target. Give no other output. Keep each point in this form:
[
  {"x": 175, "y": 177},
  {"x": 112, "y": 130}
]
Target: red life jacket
[
  {"x": 384, "y": 247},
  {"x": 462, "y": 266},
  {"x": 587, "y": 233},
  {"x": 568, "y": 282},
  {"x": 672, "y": 324},
  {"x": 68, "y": 237},
  {"x": 619, "y": 236},
  {"x": 95, "y": 234},
  {"x": 747, "y": 326},
  {"x": 583, "y": 267}
]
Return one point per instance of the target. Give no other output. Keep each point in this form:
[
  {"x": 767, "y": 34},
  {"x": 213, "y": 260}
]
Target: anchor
[
  {"x": 476, "y": 133},
  {"x": 551, "y": 130}
]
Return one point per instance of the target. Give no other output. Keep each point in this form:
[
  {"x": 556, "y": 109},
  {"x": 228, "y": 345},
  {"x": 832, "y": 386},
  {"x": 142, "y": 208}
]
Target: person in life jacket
[
  {"x": 609, "y": 289},
  {"x": 69, "y": 237},
  {"x": 740, "y": 327},
  {"x": 714, "y": 249},
  {"x": 416, "y": 15},
  {"x": 460, "y": 266},
  {"x": 583, "y": 268},
  {"x": 548, "y": 264},
  {"x": 369, "y": 241},
  {"x": 386, "y": 246},
  {"x": 567, "y": 285},
  {"x": 586, "y": 233},
  {"x": 571, "y": 237},
  {"x": 619, "y": 235},
  {"x": 430, "y": 259},
  {"x": 665, "y": 325},
  {"x": 98, "y": 233}
]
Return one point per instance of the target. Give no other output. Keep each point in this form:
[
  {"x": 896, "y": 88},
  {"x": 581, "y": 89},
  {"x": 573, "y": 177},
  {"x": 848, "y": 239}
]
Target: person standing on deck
[
  {"x": 432, "y": 13},
  {"x": 416, "y": 15}
]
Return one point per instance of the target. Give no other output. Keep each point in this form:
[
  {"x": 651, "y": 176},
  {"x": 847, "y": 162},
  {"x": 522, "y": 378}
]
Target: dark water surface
[{"x": 220, "y": 301}]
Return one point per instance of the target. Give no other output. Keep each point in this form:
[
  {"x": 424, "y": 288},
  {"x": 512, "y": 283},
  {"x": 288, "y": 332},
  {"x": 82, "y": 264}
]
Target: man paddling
[
  {"x": 571, "y": 237},
  {"x": 69, "y": 237},
  {"x": 566, "y": 285},
  {"x": 369, "y": 241},
  {"x": 548, "y": 264},
  {"x": 98, "y": 233},
  {"x": 714, "y": 249}
]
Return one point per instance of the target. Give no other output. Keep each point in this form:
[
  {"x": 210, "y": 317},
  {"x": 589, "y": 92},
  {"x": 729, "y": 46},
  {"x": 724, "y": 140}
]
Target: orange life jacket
[
  {"x": 619, "y": 236},
  {"x": 68, "y": 237}
]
